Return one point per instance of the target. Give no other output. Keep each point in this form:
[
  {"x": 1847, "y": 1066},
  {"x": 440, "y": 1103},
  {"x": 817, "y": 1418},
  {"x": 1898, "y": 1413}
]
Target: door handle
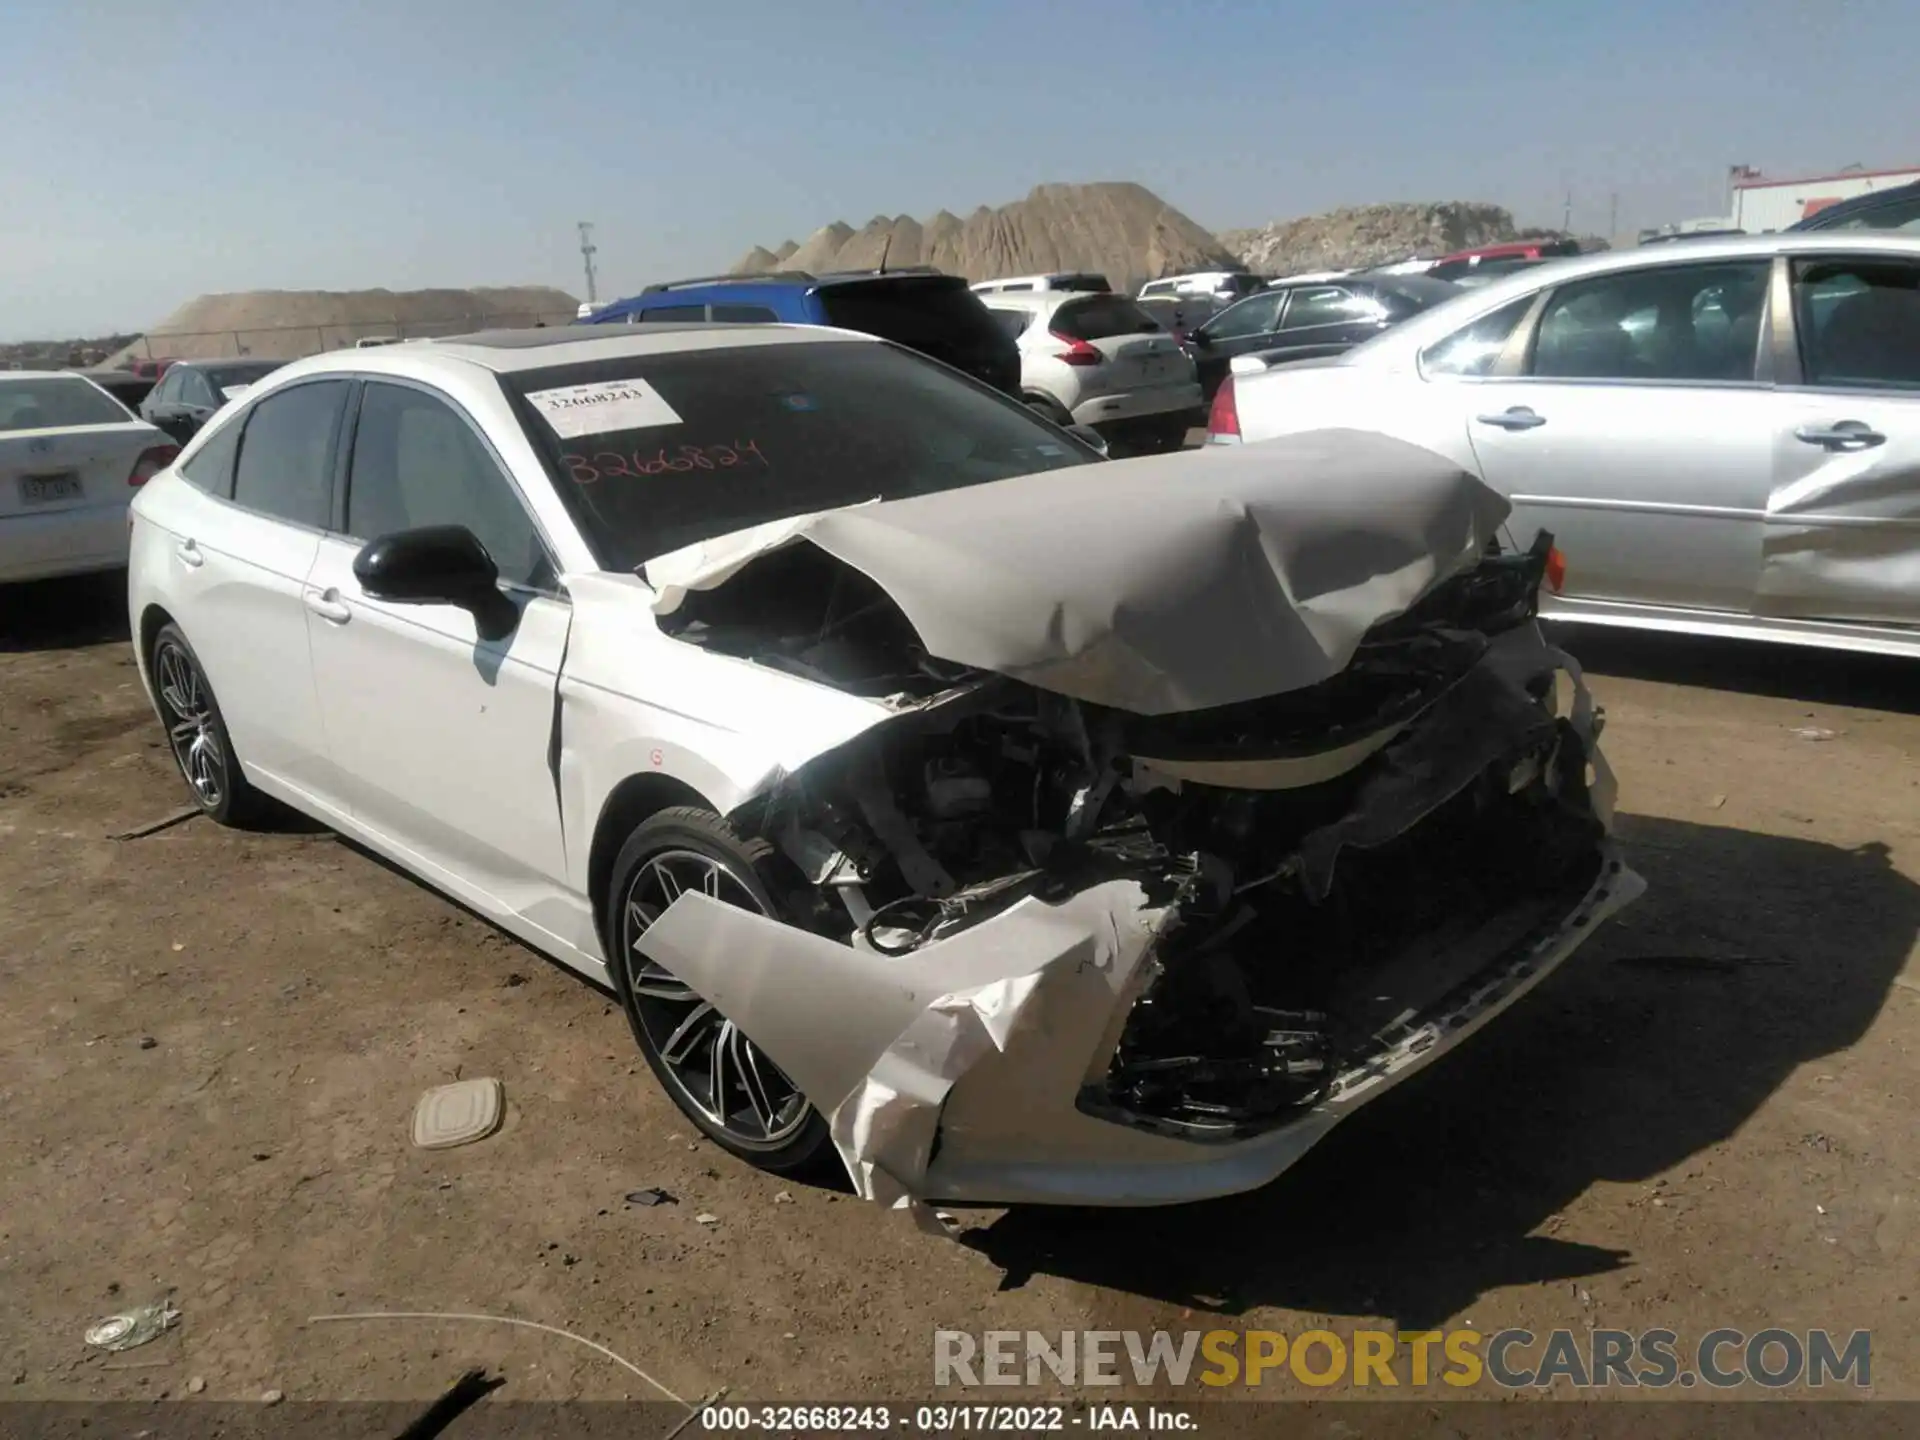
[
  {"x": 1519, "y": 417},
  {"x": 1841, "y": 435},
  {"x": 189, "y": 554},
  {"x": 328, "y": 605}
]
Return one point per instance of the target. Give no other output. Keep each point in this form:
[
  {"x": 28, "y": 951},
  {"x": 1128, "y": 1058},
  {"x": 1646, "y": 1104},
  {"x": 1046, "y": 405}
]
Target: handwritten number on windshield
[{"x": 614, "y": 465}]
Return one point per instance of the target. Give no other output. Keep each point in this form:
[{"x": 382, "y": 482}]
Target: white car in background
[
  {"x": 1722, "y": 436},
  {"x": 1101, "y": 361},
  {"x": 1224, "y": 286},
  {"x": 1057, "y": 280},
  {"x": 71, "y": 458},
  {"x": 928, "y": 790}
]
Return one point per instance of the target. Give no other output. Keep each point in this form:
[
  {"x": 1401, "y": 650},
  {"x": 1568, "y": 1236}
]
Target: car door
[
  {"x": 161, "y": 407},
  {"x": 1250, "y": 325},
  {"x": 244, "y": 534},
  {"x": 1842, "y": 531},
  {"x": 1640, "y": 432},
  {"x": 1330, "y": 315},
  {"x": 444, "y": 740}
]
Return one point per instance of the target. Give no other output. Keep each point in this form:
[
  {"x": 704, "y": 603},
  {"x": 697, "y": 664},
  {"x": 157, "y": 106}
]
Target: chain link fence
[{"x": 290, "y": 342}]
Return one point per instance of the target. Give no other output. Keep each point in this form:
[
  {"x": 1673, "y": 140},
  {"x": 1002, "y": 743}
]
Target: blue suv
[{"x": 919, "y": 308}]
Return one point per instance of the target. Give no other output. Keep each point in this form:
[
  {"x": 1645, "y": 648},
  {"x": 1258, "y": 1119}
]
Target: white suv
[
  {"x": 1101, "y": 361},
  {"x": 1226, "y": 286},
  {"x": 1058, "y": 280}
]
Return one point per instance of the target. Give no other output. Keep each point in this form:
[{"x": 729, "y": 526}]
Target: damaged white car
[{"x": 1024, "y": 827}]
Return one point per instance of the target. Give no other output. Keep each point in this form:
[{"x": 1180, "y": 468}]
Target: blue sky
[{"x": 157, "y": 149}]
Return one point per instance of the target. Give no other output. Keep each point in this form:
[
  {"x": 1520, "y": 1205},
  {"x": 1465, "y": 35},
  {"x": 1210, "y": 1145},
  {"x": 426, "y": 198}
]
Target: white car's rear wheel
[
  {"x": 196, "y": 732},
  {"x": 717, "y": 1076}
]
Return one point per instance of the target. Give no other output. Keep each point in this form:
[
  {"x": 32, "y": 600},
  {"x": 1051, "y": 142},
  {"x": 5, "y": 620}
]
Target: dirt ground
[{"x": 211, "y": 1044}]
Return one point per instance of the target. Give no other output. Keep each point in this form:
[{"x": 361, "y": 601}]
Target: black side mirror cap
[{"x": 437, "y": 565}]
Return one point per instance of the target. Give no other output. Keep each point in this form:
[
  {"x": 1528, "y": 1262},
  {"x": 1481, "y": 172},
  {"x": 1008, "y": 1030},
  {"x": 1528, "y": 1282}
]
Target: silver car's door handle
[
  {"x": 1518, "y": 418},
  {"x": 189, "y": 554},
  {"x": 328, "y": 605},
  {"x": 1841, "y": 435}
]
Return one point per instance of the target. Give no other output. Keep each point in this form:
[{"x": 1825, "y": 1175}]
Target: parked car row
[{"x": 1724, "y": 435}]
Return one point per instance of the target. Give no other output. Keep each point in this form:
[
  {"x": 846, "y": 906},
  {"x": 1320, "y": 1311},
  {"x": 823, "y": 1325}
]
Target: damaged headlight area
[{"x": 1318, "y": 866}]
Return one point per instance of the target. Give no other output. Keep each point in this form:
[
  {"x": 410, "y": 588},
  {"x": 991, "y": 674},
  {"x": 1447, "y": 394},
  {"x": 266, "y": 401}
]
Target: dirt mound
[
  {"x": 1122, "y": 230},
  {"x": 1368, "y": 235},
  {"x": 291, "y": 323}
]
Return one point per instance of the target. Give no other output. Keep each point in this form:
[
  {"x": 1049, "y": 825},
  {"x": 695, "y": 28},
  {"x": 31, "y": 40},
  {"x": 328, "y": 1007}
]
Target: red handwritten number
[
  {"x": 658, "y": 759},
  {"x": 586, "y": 470}
]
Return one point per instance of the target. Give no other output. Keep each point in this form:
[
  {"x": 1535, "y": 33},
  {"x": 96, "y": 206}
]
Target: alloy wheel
[
  {"x": 192, "y": 728},
  {"x": 717, "y": 1070}
]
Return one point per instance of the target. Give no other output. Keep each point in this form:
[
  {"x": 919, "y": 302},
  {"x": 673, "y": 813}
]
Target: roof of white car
[
  {"x": 1442, "y": 319},
  {"x": 42, "y": 375},
  {"x": 505, "y": 351},
  {"x": 1042, "y": 301}
]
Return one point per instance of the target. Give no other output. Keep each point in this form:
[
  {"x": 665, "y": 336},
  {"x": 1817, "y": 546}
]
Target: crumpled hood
[{"x": 1172, "y": 583}]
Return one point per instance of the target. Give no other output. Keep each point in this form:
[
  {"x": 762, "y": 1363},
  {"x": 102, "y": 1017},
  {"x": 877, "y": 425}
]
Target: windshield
[
  {"x": 55, "y": 402},
  {"x": 655, "y": 452}
]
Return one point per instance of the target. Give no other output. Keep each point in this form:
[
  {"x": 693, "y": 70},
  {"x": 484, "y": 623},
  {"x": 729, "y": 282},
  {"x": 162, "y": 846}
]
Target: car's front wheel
[
  {"x": 721, "y": 1080},
  {"x": 197, "y": 733}
]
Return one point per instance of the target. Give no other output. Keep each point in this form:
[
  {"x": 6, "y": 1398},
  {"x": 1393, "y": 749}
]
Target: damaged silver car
[{"x": 1017, "y": 825}]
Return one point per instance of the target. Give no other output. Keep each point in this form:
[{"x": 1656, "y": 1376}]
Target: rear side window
[
  {"x": 1102, "y": 319},
  {"x": 680, "y": 313},
  {"x": 1013, "y": 322},
  {"x": 54, "y": 402},
  {"x": 744, "y": 314},
  {"x": 1475, "y": 349},
  {"x": 1328, "y": 305},
  {"x": 211, "y": 467},
  {"x": 286, "y": 453},
  {"x": 1858, "y": 322}
]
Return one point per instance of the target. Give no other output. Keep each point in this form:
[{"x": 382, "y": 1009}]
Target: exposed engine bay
[{"x": 1314, "y": 853}]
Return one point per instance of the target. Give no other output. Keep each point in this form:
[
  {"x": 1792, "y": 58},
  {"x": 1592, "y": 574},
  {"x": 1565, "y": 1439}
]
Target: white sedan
[
  {"x": 1723, "y": 435},
  {"x": 71, "y": 458},
  {"x": 1019, "y": 826}
]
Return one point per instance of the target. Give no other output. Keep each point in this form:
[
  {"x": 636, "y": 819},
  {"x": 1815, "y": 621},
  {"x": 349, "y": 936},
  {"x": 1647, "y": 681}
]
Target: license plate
[{"x": 48, "y": 489}]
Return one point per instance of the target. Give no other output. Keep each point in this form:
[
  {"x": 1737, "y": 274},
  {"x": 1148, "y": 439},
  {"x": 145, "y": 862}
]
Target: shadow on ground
[
  {"x": 1751, "y": 667},
  {"x": 1756, "y": 954},
  {"x": 61, "y": 614}
]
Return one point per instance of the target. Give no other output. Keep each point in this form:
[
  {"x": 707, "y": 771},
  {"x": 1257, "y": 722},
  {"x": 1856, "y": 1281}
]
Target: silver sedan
[{"x": 1723, "y": 435}]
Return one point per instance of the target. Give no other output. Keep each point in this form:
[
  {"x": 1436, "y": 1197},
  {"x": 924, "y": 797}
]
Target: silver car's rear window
[{"x": 54, "y": 402}]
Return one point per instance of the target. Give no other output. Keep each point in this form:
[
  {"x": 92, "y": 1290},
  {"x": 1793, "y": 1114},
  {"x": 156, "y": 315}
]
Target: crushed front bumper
[{"x": 964, "y": 1071}]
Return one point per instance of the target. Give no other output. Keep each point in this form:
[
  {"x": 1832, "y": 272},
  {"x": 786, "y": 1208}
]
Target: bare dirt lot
[{"x": 211, "y": 1044}]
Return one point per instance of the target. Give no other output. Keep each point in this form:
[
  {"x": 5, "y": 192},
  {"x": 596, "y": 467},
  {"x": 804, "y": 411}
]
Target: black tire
[
  {"x": 772, "y": 1125},
  {"x": 197, "y": 733}
]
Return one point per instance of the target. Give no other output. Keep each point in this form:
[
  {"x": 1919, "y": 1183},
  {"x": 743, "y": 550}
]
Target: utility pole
[
  {"x": 1566, "y": 216},
  {"x": 1613, "y": 216},
  {"x": 587, "y": 251}
]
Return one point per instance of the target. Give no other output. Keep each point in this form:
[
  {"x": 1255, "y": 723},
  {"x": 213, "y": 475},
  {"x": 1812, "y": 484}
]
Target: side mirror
[
  {"x": 1199, "y": 337},
  {"x": 437, "y": 565},
  {"x": 1089, "y": 437}
]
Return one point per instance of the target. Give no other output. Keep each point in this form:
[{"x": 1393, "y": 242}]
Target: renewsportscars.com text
[{"x": 1381, "y": 1359}]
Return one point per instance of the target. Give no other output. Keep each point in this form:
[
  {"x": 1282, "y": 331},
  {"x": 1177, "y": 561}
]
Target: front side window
[
  {"x": 744, "y": 314},
  {"x": 1858, "y": 322},
  {"x": 165, "y": 392},
  {"x": 56, "y": 402},
  {"x": 285, "y": 467},
  {"x": 655, "y": 452},
  {"x": 417, "y": 461},
  {"x": 194, "y": 389},
  {"x": 1475, "y": 349},
  {"x": 1679, "y": 323},
  {"x": 1329, "y": 305},
  {"x": 1253, "y": 316}
]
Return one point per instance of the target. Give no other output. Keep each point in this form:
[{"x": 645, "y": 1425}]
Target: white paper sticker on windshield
[
  {"x": 233, "y": 392},
  {"x": 612, "y": 405}
]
